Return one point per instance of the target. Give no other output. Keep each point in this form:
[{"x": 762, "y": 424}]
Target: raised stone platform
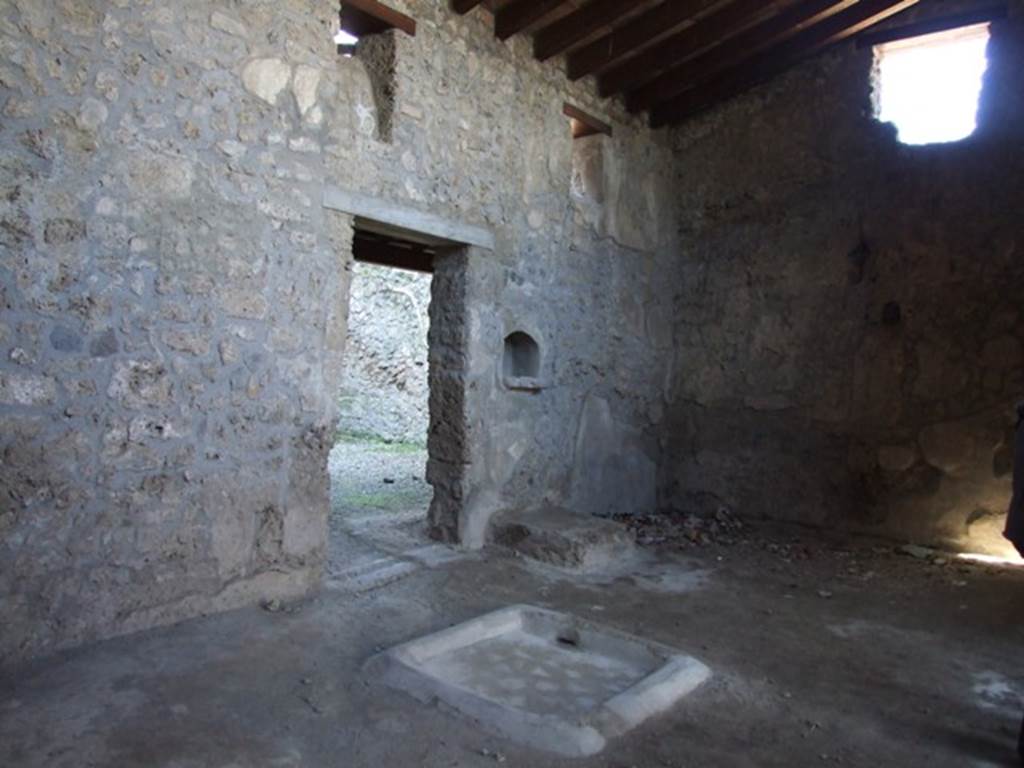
[
  {"x": 564, "y": 538},
  {"x": 546, "y": 679}
]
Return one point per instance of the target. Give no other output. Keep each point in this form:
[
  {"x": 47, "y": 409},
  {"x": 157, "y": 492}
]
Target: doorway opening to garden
[{"x": 380, "y": 494}]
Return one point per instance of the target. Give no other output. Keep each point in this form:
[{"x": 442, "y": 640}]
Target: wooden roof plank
[
  {"x": 388, "y": 254},
  {"x": 520, "y": 14},
  {"x": 649, "y": 27},
  {"x": 755, "y": 70},
  {"x": 366, "y": 17},
  {"x": 994, "y": 12},
  {"x": 755, "y": 39},
  {"x": 724, "y": 23},
  {"x": 558, "y": 37}
]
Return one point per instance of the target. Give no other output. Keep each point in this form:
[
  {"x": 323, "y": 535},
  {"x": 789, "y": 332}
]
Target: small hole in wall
[
  {"x": 522, "y": 357},
  {"x": 587, "y": 181},
  {"x": 346, "y": 42},
  {"x": 366, "y": 30},
  {"x": 929, "y": 86},
  {"x": 569, "y": 639},
  {"x": 590, "y": 136}
]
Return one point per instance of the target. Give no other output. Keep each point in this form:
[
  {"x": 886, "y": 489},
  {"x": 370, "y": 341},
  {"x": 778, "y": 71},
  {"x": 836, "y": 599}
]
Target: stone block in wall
[
  {"x": 267, "y": 78},
  {"x": 27, "y": 389},
  {"x": 140, "y": 383}
]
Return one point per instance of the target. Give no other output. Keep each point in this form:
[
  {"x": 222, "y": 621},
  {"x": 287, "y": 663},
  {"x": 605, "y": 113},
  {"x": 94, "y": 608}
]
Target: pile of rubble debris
[
  {"x": 684, "y": 528},
  {"x": 835, "y": 559}
]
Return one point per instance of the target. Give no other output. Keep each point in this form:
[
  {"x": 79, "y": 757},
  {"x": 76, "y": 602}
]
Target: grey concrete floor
[{"x": 823, "y": 653}]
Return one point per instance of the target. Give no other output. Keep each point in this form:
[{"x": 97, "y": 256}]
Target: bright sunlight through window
[
  {"x": 341, "y": 37},
  {"x": 928, "y": 86}
]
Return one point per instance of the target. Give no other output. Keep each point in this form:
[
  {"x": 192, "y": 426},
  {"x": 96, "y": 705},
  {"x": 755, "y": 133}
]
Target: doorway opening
[{"x": 380, "y": 496}]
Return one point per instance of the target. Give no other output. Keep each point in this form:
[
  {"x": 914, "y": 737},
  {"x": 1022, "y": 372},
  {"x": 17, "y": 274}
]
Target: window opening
[
  {"x": 929, "y": 86},
  {"x": 346, "y": 42}
]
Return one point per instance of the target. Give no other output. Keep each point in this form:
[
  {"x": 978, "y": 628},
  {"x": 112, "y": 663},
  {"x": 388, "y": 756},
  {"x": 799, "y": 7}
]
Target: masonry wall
[
  {"x": 849, "y": 326},
  {"x": 478, "y": 134},
  {"x": 174, "y": 295},
  {"x": 164, "y": 413}
]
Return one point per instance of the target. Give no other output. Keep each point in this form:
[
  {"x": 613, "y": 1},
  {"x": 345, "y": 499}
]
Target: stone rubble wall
[
  {"x": 719, "y": 328},
  {"x": 849, "y": 327},
  {"x": 164, "y": 412},
  {"x": 175, "y": 297},
  {"x": 384, "y": 390},
  {"x": 477, "y": 134}
]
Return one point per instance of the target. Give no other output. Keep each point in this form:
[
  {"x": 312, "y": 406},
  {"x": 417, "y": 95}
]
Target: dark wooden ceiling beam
[
  {"x": 646, "y": 29},
  {"x": 464, "y": 6},
  {"x": 711, "y": 30},
  {"x": 755, "y": 39},
  {"x": 759, "y": 68},
  {"x": 520, "y": 14},
  {"x": 558, "y": 37},
  {"x": 994, "y": 12},
  {"x": 387, "y": 252},
  {"x": 368, "y": 17}
]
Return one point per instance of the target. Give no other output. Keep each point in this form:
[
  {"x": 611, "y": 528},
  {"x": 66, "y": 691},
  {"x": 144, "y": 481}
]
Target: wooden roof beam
[
  {"x": 634, "y": 35},
  {"x": 757, "y": 38},
  {"x": 711, "y": 30},
  {"x": 520, "y": 14},
  {"x": 757, "y": 69},
  {"x": 389, "y": 253},
  {"x": 462, "y": 7},
  {"x": 578, "y": 25},
  {"x": 368, "y": 17},
  {"x": 987, "y": 13}
]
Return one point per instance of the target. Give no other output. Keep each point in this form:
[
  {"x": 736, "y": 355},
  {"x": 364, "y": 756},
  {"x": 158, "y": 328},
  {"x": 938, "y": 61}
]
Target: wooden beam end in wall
[
  {"x": 584, "y": 123},
  {"x": 463, "y": 7},
  {"x": 368, "y": 17}
]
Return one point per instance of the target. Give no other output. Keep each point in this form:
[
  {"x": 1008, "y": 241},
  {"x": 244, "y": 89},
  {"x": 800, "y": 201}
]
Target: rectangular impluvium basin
[{"x": 546, "y": 679}]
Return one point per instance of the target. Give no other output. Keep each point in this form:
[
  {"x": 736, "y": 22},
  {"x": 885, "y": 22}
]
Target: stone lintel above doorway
[{"x": 386, "y": 217}]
